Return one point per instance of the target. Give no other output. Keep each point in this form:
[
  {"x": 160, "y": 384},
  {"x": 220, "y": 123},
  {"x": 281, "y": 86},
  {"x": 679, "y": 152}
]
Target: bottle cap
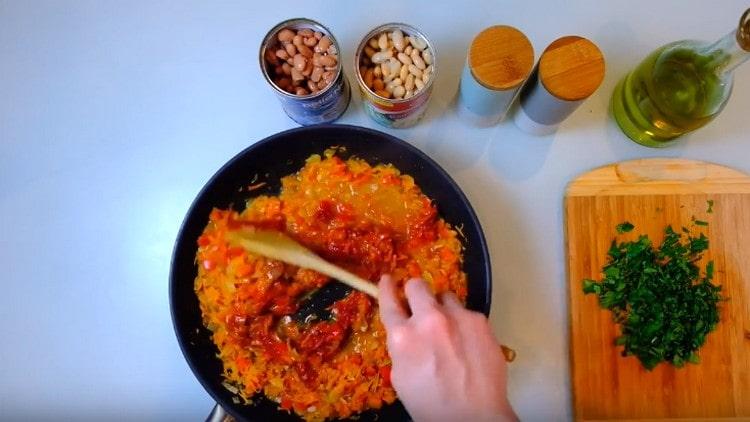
[
  {"x": 501, "y": 57},
  {"x": 743, "y": 31},
  {"x": 571, "y": 68}
]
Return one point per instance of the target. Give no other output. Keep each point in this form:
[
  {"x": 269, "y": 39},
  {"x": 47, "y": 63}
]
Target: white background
[{"x": 113, "y": 115}]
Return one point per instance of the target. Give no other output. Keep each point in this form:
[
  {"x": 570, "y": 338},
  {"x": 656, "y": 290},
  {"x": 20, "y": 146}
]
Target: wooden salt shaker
[
  {"x": 569, "y": 71},
  {"x": 499, "y": 61}
]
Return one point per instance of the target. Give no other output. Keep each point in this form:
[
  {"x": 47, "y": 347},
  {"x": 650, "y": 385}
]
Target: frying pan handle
[{"x": 218, "y": 414}]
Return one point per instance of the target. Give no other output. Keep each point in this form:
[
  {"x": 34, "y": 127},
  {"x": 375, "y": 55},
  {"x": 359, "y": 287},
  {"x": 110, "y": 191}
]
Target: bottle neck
[{"x": 727, "y": 53}]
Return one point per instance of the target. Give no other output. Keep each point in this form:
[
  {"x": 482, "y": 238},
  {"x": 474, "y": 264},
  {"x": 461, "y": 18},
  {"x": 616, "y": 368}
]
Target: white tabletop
[{"x": 114, "y": 115}]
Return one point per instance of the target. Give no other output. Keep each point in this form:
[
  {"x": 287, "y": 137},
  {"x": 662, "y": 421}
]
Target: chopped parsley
[
  {"x": 624, "y": 227},
  {"x": 665, "y": 306},
  {"x": 697, "y": 222},
  {"x": 710, "y": 209}
]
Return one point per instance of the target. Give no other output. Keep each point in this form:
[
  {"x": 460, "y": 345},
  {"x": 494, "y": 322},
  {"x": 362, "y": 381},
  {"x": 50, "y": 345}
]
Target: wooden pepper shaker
[
  {"x": 500, "y": 59},
  {"x": 569, "y": 71}
]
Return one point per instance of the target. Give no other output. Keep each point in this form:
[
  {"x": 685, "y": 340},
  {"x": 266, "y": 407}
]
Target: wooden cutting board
[{"x": 651, "y": 194}]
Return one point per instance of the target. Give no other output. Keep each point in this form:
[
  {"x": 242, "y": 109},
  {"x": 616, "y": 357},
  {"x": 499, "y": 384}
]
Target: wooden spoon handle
[{"x": 276, "y": 245}]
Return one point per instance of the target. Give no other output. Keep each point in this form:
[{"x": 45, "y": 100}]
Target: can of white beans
[
  {"x": 395, "y": 66},
  {"x": 300, "y": 59}
]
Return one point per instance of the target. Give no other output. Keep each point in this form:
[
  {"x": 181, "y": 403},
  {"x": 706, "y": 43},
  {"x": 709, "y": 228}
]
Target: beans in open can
[
  {"x": 395, "y": 67},
  {"x": 300, "y": 60}
]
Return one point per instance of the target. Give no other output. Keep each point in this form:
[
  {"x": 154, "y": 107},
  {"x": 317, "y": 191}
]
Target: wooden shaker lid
[
  {"x": 571, "y": 68},
  {"x": 501, "y": 57}
]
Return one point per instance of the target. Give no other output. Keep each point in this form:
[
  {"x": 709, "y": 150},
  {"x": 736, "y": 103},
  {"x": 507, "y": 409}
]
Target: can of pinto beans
[
  {"x": 300, "y": 59},
  {"x": 395, "y": 67}
]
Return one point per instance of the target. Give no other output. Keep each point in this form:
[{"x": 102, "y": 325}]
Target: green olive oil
[{"x": 678, "y": 88}]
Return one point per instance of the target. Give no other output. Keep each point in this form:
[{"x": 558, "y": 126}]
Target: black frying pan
[{"x": 271, "y": 159}]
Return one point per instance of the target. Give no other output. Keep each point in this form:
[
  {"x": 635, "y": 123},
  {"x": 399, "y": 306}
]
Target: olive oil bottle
[{"x": 680, "y": 87}]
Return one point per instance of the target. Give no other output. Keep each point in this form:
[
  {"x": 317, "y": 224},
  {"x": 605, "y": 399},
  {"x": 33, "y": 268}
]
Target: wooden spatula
[{"x": 277, "y": 245}]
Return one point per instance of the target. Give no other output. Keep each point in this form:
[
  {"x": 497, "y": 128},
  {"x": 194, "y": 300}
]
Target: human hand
[{"x": 446, "y": 364}]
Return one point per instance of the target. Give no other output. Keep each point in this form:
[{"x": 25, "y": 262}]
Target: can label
[
  {"x": 323, "y": 108},
  {"x": 393, "y": 114}
]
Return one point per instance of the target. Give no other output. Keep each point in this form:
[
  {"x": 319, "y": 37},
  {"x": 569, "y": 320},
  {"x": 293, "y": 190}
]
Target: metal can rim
[
  {"x": 271, "y": 34},
  {"x": 382, "y": 28}
]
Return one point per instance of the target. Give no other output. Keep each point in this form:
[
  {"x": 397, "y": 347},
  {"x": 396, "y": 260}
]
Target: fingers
[
  {"x": 451, "y": 302},
  {"x": 420, "y": 296},
  {"x": 391, "y": 311}
]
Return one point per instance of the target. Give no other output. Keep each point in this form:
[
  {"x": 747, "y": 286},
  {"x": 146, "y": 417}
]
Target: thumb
[{"x": 392, "y": 313}]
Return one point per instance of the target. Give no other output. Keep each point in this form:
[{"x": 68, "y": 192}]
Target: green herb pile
[{"x": 665, "y": 306}]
